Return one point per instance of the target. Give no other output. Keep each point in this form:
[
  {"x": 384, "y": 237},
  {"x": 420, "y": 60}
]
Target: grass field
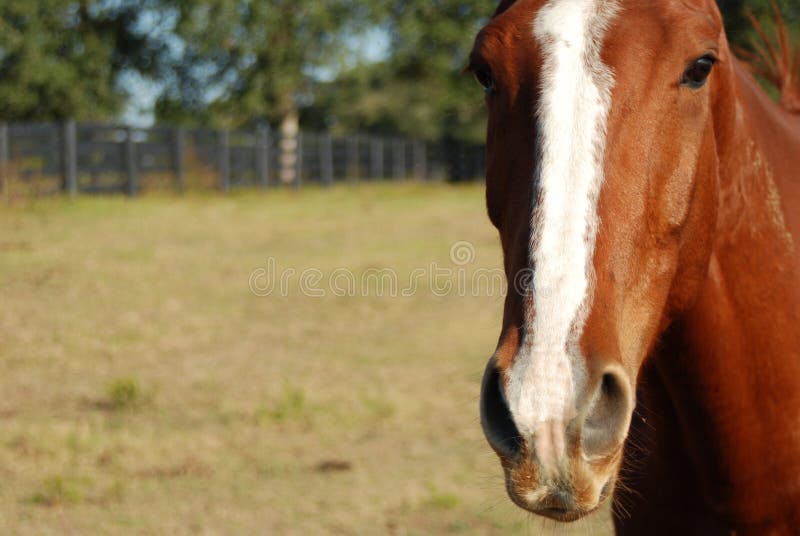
[{"x": 146, "y": 388}]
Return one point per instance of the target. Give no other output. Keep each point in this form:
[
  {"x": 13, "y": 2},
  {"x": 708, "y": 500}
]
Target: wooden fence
[{"x": 96, "y": 158}]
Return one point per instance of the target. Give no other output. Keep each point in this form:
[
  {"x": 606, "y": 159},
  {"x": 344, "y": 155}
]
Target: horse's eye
[
  {"x": 697, "y": 73},
  {"x": 484, "y": 78}
]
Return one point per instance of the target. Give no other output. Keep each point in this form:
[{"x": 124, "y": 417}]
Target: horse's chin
[
  {"x": 566, "y": 510},
  {"x": 565, "y": 516}
]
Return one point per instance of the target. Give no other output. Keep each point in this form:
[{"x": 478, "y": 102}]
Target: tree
[
  {"x": 239, "y": 62},
  {"x": 64, "y": 59},
  {"x": 252, "y": 61},
  {"x": 419, "y": 90},
  {"x": 246, "y": 61}
]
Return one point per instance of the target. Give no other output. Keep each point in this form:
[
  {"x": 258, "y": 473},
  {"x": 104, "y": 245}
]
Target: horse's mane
[{"x": 776, "y": 59}]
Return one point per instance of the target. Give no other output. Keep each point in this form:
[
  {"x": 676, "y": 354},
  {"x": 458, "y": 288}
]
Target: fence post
[
  {"x": 399, "y": 158},
  {"x": 4, "y": 178},
  {"x": 130, "y": 161},
  {"x": 262, "y": 156},
  {"x": 376, "y": 158},
  {"x": 180, "y": 159},
  {"x": 326, "y": 159},
  {"x": 420, "y": 160},
  {"x": 70, "y": 163},
  {"x": 225, "y": 160},
  {"x": 351, "y": 156},
  {"x": 298, "y": 179}
]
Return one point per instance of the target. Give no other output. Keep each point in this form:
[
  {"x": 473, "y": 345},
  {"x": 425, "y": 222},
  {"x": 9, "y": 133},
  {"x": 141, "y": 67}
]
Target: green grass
[
  {"x": 125, "y": 393},
  {"x": 443, "y": 500},
  {"x": 291, "y": 406},
  {"x": 58, "y": 490},
  {"x": 147, "y": 390}
]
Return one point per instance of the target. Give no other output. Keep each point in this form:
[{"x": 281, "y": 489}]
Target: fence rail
[{"x": 97, "y": 158}]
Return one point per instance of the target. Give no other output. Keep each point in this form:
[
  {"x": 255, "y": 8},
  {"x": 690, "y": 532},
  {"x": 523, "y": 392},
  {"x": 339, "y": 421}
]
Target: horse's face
[{"x": 601, "y": 179}]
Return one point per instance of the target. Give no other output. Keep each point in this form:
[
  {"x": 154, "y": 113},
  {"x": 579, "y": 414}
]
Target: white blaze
[{"x": 574, "y": 101}]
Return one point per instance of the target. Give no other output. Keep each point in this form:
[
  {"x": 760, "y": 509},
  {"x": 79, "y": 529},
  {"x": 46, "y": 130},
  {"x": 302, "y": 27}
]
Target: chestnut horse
[{"x": 647, "y": 195}]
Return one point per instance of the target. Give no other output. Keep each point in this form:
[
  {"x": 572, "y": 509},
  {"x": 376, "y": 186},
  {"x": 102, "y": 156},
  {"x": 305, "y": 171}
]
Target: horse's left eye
[{"x": 697, "y": 73}]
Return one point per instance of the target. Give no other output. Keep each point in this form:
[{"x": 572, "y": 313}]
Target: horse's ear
[{"x": 504, "y": 4}]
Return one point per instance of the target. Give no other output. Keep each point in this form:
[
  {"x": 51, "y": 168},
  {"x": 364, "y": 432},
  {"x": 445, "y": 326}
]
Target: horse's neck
[{"x": 731, "y": 364}]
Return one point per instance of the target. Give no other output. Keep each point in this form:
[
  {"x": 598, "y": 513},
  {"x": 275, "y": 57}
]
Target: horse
[{"x": 646, "y": 191}]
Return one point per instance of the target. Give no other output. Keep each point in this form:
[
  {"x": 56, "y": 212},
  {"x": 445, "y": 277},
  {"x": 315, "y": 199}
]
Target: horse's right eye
[{"x": 484, "y": 78}]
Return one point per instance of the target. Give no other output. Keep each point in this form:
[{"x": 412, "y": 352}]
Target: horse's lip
[{"x": 562, "y": 515}]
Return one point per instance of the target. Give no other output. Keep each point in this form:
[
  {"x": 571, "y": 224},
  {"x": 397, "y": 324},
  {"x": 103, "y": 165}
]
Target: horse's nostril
[
  {"x": 608, "y": 418},
  {"x": 496, "y": 419}
]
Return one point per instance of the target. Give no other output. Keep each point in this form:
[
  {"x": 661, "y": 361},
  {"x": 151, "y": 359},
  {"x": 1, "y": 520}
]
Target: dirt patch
[{"x": 333, "y": 466}]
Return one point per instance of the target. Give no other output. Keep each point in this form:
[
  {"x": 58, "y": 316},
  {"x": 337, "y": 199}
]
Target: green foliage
[
  {"x": 419, "y": 90},
  {"x": 744, "y": 38},
  {"x": 430, "y": 47},
  {"x": 738, "y": 26},
  {"x": 238, "y": 62},
  {"x": 64, "y": 58},
  {"x": 245, "y": 61}
]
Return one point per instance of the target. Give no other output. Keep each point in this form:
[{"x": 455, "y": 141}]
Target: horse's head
[{"x": 602, "y": 180}]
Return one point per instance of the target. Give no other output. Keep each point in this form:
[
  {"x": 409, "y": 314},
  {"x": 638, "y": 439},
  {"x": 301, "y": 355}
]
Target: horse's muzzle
[{"x": 572, "y": 481}]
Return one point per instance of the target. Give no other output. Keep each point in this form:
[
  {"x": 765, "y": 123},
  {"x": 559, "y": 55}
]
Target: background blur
[
  {"x": 345, "y": 66},
  {"x": 275, "y": 361}
]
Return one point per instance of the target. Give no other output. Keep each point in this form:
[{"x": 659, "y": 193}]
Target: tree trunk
[{"x": 289, "y": 128}]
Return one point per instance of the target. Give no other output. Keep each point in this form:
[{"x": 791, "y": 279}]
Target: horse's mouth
[
  {"x": 556, "y": 513},
  {"x": 564, "y": 516},
  {"x": 551, "y": 509}
]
